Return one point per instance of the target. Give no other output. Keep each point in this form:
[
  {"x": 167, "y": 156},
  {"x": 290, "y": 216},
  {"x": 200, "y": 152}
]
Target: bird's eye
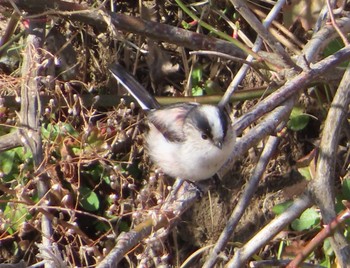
[{"x": 204, "y": 136}]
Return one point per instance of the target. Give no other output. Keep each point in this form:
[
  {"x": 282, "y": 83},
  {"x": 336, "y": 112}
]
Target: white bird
[{"x": 189, "y": 141}]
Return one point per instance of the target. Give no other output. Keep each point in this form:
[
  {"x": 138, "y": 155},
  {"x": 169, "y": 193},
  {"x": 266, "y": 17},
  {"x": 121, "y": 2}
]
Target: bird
[{"x": 188, "y": 141}]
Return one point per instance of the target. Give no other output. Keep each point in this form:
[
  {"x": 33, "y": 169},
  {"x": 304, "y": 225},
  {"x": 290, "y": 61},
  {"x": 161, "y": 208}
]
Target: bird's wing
[{"x": 170, "y": 120}]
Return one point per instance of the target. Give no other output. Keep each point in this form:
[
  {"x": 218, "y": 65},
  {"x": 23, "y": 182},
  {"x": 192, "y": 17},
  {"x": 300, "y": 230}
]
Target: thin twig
[
  {"x": 251, "y": 187},
  {"x": 269, "y": 231},
  {"x": 335, "y": 25},
  {"x": 222, "y": 55},
  {"x": 326, "y": 232},
  {"x": 249, "y": 16},
  {"x": 294, "y": 85},
  {"x": 244, "y": 69},
  {"x": 183, "y": 198}
]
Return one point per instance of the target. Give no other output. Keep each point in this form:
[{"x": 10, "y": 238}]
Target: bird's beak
[{"x": 218, "y": 144}]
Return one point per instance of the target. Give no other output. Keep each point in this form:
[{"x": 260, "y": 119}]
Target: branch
[
  {"x": 105, "y": 21},
  {"x": 245, "y": 67},
  {"x": 30, "y": 114},
  {"x": 244, "y": 201},
  {"x": 182, "y": 197},
  {"x": 269, "y": 231},
  {"x": 327, "y": 231},
  {"x": 293, "y": 86},
  {"x": 9, "y": 141},
  {"x": 322, "y": 187},
  {"x": 249, "y": 16}
]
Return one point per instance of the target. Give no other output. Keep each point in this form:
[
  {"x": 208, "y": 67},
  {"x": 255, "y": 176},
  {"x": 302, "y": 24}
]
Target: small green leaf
[
  {"x": 23, "y": 154},
  {"x": 68, "y": 128},
  {"x": 185, "y": 25},
  {"x": 96, "y": 171},
  {"x": 7, "y": 161},
  {"x": 298, "y": 123},
  {"x": 333, "y": 47},
  {"x": 346, "y": 189},
  {"x": 298, "y": 120},
  {"x": 50, "y": 131},
  {"x": 123, "y": 226},
  {"x": 327, "y": 248},
  {"x": 196, "y": 76},
  {"x": 212, "y": 88},
  {"x": 102, "y": 226},
  {"x": 280, "y": 208},
  {"x": 310, "y": 218},
  {"x": 197, "y": 91},
  {"x": 107, "y": 179},
  {"x": 326, "y": 262},
  {"x": 305, "y": 172},
  {"x": 88, "y": 199},
  {"x": 15, "y": 214}
]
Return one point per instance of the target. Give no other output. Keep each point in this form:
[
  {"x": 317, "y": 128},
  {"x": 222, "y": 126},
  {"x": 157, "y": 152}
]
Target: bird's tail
[{"x": 140, "y": 94}]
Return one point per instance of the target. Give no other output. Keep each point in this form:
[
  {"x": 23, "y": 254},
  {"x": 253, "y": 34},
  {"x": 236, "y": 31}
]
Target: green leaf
[
  {"x": 212, "y": 88},
  {"x": 96, "y": 171},
  {"x": 305, "y": 172},
  {"x": 50, "y": 131},
  {"x": 333, "y": 47},
  {"x": 185, "y": 25},
  {"x": 280, "y": 208},
  {"x": 102, "y": 226},
  {"x": 88, "y": 199},
  {"x": 196, "y": 76},
  {"x": 107, "y": 179},
  {"x": 7, "y": 161},
  {"x": 68, "y": 128},
  {"x": 15, "y": 214},
  {"x": 327, "y": 248},
  {"x": 310, "y": 218},
  {"x": 23, "y": 154},
  {"x": 298, "y": 120},
  {"x": 197, "y": 91},
  {"x": 123, "y": 226},
  {"x": 346, "y": 189}
]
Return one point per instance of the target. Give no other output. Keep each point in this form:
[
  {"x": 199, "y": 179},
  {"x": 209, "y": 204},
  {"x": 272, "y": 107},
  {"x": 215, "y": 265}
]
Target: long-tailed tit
[{"x": 189, "y": 141}]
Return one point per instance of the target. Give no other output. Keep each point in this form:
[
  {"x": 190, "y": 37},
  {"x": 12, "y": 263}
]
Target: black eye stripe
[
  {"x": 224, "y": 121},
  {"x": 201, "y": 122}
]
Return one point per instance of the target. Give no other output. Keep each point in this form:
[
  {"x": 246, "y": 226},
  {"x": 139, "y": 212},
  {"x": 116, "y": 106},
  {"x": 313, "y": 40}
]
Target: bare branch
[
  {"x": 249, "y": 16},
  {"x": 327, "y": 231},
  {"x": 294, "y": 85},
  {"x": 269, "y": 231},
  {"x": 9, "y": 141},
  {"x": 322, "y": 187},
  {"x": 182, "y": 198},
  {"x": 154, "y": 30},
  {"x": 244, "y": 201},
  {"x": 30, "y": 113}
]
